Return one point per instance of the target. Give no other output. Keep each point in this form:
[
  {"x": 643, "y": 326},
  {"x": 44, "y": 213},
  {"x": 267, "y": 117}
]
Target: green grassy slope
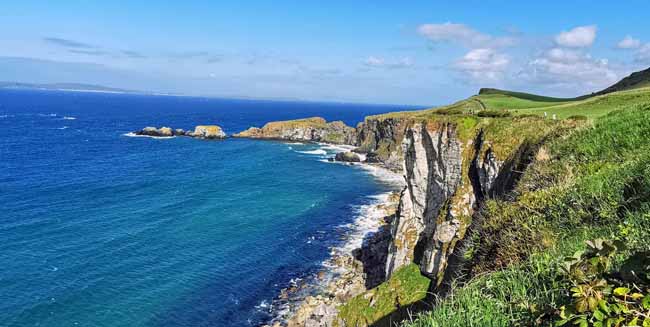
[
  {"x": 522, "y": 95},
  {"x": 593, "y": 183}
]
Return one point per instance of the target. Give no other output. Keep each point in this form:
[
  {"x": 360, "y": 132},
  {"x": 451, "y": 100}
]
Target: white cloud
[
  {"x": 573, "y": 69},
  {"x": 483, "y": 64},
  {"x": 629, "y": 42},
  {"x": 463, "y": 34},
  {"x": 579, "y": 37}
]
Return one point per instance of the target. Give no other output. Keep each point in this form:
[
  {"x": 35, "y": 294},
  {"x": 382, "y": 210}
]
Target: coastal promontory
[{"x": 315, "y": 129}]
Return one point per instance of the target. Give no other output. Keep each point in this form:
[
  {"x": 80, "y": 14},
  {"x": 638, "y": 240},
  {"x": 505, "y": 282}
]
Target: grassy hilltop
[{"x": 590, "y": 181}]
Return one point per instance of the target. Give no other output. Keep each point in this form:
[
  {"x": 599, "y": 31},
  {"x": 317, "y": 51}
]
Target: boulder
[
  {"x": 179, "y": 132},
  {"x": 347, "y": 157},
  {"x": 208, "y": 132},
  {"x": 372, "y": 157},
  {"x": 152, "y": 131},
  {"x": 165, "y": 131}
]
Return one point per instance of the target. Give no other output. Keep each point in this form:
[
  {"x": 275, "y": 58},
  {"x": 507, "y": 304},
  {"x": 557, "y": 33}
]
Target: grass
[
  {"x": 594, "y": 183},
  {"x": 509, "y": 102},
  {"x": 594, "y": 107},
  {"x": 406, "y": 287}
]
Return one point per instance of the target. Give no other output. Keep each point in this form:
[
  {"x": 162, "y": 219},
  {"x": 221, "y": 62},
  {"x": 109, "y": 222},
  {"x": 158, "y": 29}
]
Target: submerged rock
[{"x": 347, "y": 157}]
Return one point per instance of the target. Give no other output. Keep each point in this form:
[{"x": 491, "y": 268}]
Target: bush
[
  {"x": 598, "y": 298},
  {"x": 578, "y": 117},
  {"x": 494, "y": 113},
  {"x": 449, "y": 111}
]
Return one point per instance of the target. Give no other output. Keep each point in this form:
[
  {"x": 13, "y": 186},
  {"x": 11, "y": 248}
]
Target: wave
[
  {"x": 48, "y": 115},
  {"x": 69, "y": 118},
  {"x": 131, "y": 134},
  {"x": 64, "y": 127},
  {"x": 317, "y": 152}
]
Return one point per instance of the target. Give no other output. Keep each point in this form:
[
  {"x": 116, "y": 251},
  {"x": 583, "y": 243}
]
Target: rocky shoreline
[{"x": 350, "y": 271}]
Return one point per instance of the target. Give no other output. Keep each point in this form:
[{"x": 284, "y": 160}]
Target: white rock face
[
  {"x": 437, "y": 204},
  {"x": 432, "y": 169}
]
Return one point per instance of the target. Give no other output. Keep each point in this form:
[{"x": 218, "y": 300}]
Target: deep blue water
[{"x": 101, "y": 229}]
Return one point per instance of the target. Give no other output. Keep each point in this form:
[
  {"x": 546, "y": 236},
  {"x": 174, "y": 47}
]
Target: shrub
[
  {"x": 578, "y": 117},
  {"x": 449, "y": 111},
  {"x": 599, "y": 298},
  {"x": 494, "y": 113}
]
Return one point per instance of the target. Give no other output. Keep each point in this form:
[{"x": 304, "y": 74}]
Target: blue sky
[{"x": 405, "y": 52}]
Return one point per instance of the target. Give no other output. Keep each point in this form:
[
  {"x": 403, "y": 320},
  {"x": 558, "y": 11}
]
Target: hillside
[
  {"x": 513, "y": 184},
  {"x": 634, "y": 81}
]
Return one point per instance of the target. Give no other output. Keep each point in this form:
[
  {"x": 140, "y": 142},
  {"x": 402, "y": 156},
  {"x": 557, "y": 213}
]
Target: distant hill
[
  {"x": 522, "y": 95},
  {"x": 634, "y": 81},
  {"x": 63, "y": 86}
]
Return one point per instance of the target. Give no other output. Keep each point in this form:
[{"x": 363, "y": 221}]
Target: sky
[{"x": 398, "y": 52}]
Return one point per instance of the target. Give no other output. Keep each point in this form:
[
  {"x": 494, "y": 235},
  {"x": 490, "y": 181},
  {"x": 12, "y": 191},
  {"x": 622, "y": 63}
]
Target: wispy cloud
[
  {"x": 463, "y": 34},
  {"x": 133, "y": 54},
  {"x": 93, "y": 52},
  {"x": 629, "y": 42},
  {"x": 66, "y": 43},
  {"x": 378, "y": 62}
]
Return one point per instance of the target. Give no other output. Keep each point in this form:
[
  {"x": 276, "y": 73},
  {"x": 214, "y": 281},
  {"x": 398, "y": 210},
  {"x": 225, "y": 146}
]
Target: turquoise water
[{"x": 101, "y": 229}]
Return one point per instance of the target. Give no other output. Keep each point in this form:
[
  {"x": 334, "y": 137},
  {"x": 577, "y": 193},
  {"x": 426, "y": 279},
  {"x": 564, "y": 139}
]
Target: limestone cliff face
[
  {"x": 314, "y": 129},
  {"x": 445, "y": 177}
]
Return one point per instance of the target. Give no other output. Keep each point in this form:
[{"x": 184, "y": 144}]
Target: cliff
[{"x": 313, "y": 129}]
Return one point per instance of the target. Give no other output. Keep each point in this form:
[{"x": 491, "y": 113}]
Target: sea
[{"x": 100, "y": 228}]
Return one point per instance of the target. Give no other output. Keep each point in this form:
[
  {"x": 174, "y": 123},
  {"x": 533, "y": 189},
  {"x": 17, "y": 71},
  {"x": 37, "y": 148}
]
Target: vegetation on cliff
[
  {"x": 593, "y": 183},
  {"x": 568, "y": 171}
]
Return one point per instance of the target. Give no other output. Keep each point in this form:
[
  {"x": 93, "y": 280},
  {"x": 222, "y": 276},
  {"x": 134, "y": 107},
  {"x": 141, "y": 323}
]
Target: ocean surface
[{"x": 101, "y": 229}]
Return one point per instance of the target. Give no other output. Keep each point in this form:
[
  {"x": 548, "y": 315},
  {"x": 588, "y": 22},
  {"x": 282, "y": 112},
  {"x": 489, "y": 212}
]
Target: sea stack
[
  {"x": 201, "y": 131},
  {"x": 315, "y": 129}
]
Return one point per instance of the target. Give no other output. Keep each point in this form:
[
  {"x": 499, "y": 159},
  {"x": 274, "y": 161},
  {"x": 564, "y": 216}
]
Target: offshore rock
[
  {"x": 157, "y": 132},
  {"x": 347, "y": 157},
  {"x": 313, "y": 129},
  {"x": 208, "y": 132},
  {"x": 201, "y": 131}
]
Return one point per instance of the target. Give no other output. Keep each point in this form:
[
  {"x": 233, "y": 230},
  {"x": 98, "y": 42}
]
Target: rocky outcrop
[
  {"x": 381, "y": 138},
  {"x": 347, "y": 157},
  {"x": 201, "y": 131},
  {"x": 314, "y": 129},
  {"x": 207, "y": 132},
  {"x": 157, "y": 132}
]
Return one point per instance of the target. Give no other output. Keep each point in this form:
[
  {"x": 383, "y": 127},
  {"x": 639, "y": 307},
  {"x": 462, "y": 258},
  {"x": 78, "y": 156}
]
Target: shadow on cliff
[
  {"x": 373, "y": 254},
  {"x": 401, "y": 314}
]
